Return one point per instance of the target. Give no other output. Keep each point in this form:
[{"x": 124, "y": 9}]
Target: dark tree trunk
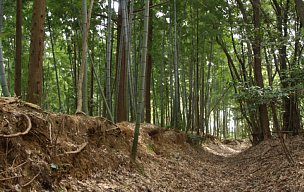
[
  {"x": 300, "y": 10},
  {"x": 121, "y": 112},
  {"x": 75, "y": 68},
  {"x": 264, "y": 131},
  {"x": 36, "y": 53},
  {"x": 291, "y": 116},
  {"x": 91, "y": 100},
  {"x": 18, "y": 67},
  {"x": 149, "y": 70}
]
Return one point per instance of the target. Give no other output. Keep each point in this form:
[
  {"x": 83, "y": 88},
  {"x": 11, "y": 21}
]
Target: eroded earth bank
[{"x": 42, "y": 151}]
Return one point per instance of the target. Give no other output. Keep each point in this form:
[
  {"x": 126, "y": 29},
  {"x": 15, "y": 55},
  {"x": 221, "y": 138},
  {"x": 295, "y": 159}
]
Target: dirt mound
[
  {"x": 38, "y": 149},
  {"x": 267, "y": 167},
  {"x": 46, "y": 151},
  {"x": 41, "y": 151}
]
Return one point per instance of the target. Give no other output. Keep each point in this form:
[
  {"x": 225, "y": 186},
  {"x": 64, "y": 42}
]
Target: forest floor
[{"x": 43, "y": 151}]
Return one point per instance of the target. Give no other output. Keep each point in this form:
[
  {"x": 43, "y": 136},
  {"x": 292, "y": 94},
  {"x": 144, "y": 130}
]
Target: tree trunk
[
  {"x": 207, "y": 92},
  {"x": 91, "y": 98},
  {"x": 264, "y": 131},
  {"x": 76, "y": 74},
  {"x": 300, "y": 10},
  {"x": 82, "y": 100},
  {"x": 176, "y": 103},
  {"x": 4, "y": 85},
  {"x": 55, "y": 64},
  {"x": 291, "y": 116},
  {"x": 162, "y": 95},
  {"x": 149, "y": 70},
  {"x": 121, "y": 113},
  {"x": 140, "y": 101},
  {"x": 36, "y": 52},
  {"x": 18, "y": 55},
  {"x": 109, "y": 57}
]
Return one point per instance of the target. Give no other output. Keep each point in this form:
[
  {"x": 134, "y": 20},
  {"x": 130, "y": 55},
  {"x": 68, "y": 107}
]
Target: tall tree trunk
[
  {"x": 76, "y": 74},
  {"x": 207, "y": 93},
  {"x": 197, "y": 95},
  {"x": 125, "y": 24},
  {"x": 18, "y": 56},
  {"x": 264, "y": 132},
  {"x": 4, "y": 85},
  {"x": 300, "y": 10},
  {"x": 162, "y": 95},
  {"x": 91, "y": 98},
  {"x": 225, "y": 123},
  {"x": 36, "y": 52},
  {"x": 82, "y": 102},
  {"x": 131, "y": 84},
  {"x": 291, "y": 116},
  {"x": 121, "y": 112},
  {"x": 55, "y": 64},
  {"x": 140, "y": 101},
  {"x": 272, "y": 104},
  {"x": 176, "y": 103},
  {"x": 149, "y": 70},
  {"x": 109, "y": 56}
]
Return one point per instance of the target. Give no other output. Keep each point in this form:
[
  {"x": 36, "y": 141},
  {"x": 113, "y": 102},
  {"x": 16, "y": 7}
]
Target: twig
[
  {"x": 25, "y": 162},
  {"x": 8, "y": 178},
  {"x": 26, "y": 184},
  {"x": 116, "y": 128},
  {"x": 20, "y": 133},
  {"x": 80, "y": 113},
  {"x": 31, "y": 105},
  {"x": 10, "y": 100},
  {"x": 12, "y": 168},
  {"x": 107, "y": 120},
  {"x": 50, "y": 130},
  {"x": 78, "y": 150},
  {"x": 284, "y": 148}
]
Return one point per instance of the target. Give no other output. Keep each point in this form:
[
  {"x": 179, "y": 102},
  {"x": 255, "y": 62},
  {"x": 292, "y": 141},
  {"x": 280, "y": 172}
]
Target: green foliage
[
  {"x": 151, "y": 148},
  {"x": 199, "y": 23},
  {"x": 195, "y": 139}
]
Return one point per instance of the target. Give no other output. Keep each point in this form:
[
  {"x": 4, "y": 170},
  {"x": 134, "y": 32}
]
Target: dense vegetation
[{"x": 227, "y": 68}]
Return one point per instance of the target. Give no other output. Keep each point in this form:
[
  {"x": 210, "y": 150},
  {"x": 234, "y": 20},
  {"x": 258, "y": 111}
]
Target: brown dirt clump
[
  {"x": 42, "y": 151},
  {"x": 39, "y": 149}
]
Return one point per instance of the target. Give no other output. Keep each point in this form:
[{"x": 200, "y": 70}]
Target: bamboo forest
[{"x": 151, "y": 95}]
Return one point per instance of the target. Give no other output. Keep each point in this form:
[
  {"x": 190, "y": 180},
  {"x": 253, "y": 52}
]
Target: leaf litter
[{"x": 43, "y": 151}]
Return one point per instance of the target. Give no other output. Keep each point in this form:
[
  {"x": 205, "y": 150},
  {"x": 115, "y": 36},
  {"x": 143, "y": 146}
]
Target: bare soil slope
[{"x": 41, "y": 151}]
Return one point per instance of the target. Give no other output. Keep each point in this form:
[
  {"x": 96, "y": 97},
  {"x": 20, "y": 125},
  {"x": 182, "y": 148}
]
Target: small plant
[
  {"x": 194, "y": 139},
  {"x": 140, "y": 168},
  {"x": 150, "y": 148}
]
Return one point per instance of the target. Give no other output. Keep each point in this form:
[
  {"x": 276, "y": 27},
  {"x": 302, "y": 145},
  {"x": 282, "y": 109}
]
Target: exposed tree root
[
  {"x": 9, "y": 178},
  {"x": 78, "y": 150},
  {"x": 29, "y": 127},
  {"x": 109, "y": 121},
  {"x": 28, "y": 183}
]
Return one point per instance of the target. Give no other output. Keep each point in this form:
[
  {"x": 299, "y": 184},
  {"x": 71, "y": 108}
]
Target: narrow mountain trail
[
  {"x": 43, "y": 151},
  {"x": 195, "y": 169},
  {"x": 176, "y": 168}
]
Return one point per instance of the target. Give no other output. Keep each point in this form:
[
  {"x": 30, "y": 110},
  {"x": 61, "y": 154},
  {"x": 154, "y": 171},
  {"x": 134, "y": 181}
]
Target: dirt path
[
  {"x": 200, "y": 170},
  {"x": 173, "y": 170}
]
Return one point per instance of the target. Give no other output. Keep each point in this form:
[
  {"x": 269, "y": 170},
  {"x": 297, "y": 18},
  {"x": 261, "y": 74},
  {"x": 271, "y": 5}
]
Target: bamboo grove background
[{"x": 226, "y": 68}]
